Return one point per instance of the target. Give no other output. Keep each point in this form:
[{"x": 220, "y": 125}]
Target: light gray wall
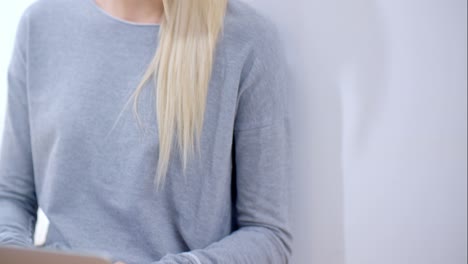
[
  {"x": 382, "y": 129},
  {"x": 405, "y": 134}
]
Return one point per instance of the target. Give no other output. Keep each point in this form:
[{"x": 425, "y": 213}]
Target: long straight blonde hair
[{"x": 181, "y": 70}]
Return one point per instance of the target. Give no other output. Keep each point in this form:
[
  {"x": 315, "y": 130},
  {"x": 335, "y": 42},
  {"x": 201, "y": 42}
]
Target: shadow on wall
[
  {"x": 336, "y": 52},
  {"x": 362, "y": 75}
]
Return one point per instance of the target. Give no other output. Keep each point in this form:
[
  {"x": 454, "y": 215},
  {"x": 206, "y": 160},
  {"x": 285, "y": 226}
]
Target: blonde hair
[{"x": 181, "y": 70}]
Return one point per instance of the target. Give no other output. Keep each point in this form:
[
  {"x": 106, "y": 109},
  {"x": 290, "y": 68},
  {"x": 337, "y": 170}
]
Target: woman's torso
[{"x": 96, "y": 185}]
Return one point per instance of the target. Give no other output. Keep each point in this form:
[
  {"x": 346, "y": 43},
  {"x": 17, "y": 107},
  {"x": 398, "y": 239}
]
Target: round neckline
[{"x": 119, "y": 20}]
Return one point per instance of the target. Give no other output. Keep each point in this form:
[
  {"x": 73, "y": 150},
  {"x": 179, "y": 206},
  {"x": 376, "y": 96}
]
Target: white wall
[
  {"x": 405, "y": 134},
  {"x": 380, "y": 104},
  {"x": 381, "y": 115}
]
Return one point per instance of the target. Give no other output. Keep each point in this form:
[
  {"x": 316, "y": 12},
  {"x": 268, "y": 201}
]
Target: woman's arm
[
  {"x": 18, "y": 204},
  {"x": 262, "y": 142},
  {"x": 262, "y": 180}
]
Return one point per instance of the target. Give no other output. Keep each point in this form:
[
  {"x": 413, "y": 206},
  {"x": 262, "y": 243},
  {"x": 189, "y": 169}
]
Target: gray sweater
[{"x": 73, "y": 69}]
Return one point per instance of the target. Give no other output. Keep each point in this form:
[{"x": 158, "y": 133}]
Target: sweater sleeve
[
  {"x": 262, "y": 144},
  {"x": 18, "y": 204}
]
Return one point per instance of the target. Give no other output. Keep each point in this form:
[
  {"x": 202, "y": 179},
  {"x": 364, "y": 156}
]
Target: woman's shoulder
[
  {"x": 43, "y": 14},
  {"x": 40, "y": 9},
  {"x": 242, "y": 13},
  {"x": 248, "y": 26}
]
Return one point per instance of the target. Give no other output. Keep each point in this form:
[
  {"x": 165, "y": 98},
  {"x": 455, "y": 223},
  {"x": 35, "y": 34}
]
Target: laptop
[{"x": 16, "y": 255}]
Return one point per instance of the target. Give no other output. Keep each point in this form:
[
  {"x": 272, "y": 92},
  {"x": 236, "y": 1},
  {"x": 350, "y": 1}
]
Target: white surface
[
  {"x": 381, "y": 111},
  {"x": 405, "y": 135},
  {"x": 382, "y": 155}
]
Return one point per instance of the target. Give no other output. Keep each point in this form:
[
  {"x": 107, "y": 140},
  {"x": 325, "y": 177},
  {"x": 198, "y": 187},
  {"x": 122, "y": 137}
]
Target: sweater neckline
[{"x": 104, "y": 13}]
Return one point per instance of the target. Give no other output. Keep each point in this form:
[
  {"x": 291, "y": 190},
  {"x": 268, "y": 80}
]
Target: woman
[{"x": 199, "y": 176}]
